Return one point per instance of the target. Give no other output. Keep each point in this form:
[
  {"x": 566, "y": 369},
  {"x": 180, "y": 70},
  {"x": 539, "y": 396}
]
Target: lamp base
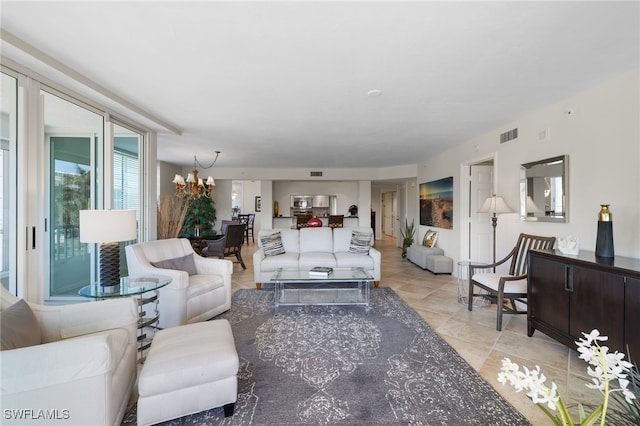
[{"x": 109, "y": 265}]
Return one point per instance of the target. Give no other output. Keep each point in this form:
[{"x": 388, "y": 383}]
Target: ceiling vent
[
  {"x": 509, "y": 136},
  {"x": 315, "y": 174}
]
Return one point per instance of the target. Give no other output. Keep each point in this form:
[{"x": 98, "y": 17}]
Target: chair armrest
[
  {"x": 206, "y": 265},
  {"x": 65, "y": 321},
  {"x": 64, "y": 361}
]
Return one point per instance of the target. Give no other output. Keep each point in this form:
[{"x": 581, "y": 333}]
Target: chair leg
[
  {"x": 228, "y": 409},
  {"x": 499, "y": 309},
  {"x": 470, "y": 300},
  {"x": 239, "y": 257}
]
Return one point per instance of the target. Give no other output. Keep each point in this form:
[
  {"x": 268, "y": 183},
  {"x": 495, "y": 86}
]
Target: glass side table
[
  {"x": 132, "y": 287},
  {"x": 463, "y": 284}
]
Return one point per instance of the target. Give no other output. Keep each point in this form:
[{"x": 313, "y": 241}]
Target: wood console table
[{"x": 571, "y": 294}]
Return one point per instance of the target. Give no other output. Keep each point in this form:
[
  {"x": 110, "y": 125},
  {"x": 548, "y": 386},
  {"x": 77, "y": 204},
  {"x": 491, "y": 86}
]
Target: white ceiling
[{"x": 284, "y": 84}]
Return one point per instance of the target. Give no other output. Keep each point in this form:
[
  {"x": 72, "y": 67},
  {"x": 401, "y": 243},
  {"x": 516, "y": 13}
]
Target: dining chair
[
  {"x": 229, "y": 245},
  {"x": 336, "y": 221},
  {"x": 512, "y": 286}
]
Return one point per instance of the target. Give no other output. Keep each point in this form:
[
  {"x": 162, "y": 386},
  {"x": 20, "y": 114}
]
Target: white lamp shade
[
  {"x": 210, "y": 181},
  {"x": 178, "y": 179},
  {"x": 107, "y": 226},
  {"x": 495, "y": 205}
]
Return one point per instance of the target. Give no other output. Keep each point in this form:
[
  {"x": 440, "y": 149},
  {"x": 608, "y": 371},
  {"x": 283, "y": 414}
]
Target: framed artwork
[
  {"x": 258, "y": 206},
  {"x": 436, "y": 203}
]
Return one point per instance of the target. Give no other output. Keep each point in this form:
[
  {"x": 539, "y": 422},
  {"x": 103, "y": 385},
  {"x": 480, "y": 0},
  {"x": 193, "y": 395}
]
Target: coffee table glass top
[
  {"x": 129, "y": 286},
  {"x": 338, "y": 274}
]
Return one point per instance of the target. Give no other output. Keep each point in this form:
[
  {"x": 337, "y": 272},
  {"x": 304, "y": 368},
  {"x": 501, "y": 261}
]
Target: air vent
[
  {"x": 315, "y": 174},
  {"x": 509, "y": 136}
]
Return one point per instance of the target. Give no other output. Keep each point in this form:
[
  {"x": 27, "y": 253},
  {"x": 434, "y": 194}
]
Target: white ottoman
[{"x": 189, "y": 369}]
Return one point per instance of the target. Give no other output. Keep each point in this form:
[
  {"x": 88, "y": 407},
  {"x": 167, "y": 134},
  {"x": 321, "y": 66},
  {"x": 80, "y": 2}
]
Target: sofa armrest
[
  {"x": 258, "y": 256},
  {"x": 64, "y": 361}
]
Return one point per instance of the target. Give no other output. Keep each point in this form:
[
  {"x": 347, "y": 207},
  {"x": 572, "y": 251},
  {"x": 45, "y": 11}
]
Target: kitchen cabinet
[{"x": 568, "y": 295}]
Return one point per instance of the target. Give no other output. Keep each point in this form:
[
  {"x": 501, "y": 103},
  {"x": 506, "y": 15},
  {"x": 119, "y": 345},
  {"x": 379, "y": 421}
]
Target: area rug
[{"x": 344, "y": 365}]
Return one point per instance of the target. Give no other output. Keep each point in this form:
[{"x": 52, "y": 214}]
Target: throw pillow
[
  {"x": 184, "y": 263},
  {"x": 19, "y": 327},
  {"x": 272, "y": 244},
  {"x": 430, "y": 238},
  {"x": 360, "y": 242}
]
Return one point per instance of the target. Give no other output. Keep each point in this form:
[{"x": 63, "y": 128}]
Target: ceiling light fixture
[
  {"x": 193, "y": 187},
  {"x": 374, "y": 93}
]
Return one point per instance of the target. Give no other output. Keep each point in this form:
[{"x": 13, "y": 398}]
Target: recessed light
[{"x": 374, "y": 93}]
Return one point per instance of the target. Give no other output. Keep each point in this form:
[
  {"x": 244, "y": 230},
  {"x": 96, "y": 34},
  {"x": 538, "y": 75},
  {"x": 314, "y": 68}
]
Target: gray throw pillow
[
  {"x": 184, "y": 263},
  {"x": 272, "y": 244},
  {"x": 360, "y": 242},
  {"x": 19, "y": 327}
]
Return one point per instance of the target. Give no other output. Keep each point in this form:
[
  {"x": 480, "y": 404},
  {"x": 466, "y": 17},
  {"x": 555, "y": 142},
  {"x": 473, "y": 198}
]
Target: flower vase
[
  {"x": 604, "y": 239},
  {"x": 314, "y": 222},
  {"x": 276, "y": 209}
]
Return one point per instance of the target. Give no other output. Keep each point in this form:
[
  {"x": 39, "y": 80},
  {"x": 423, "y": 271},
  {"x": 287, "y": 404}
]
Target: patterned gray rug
[{"x": 341, "y": 365}]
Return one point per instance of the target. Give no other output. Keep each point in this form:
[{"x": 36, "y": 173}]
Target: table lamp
[
  {"x": 495, "y": 205},
  {"x": 108, "y": 228}
]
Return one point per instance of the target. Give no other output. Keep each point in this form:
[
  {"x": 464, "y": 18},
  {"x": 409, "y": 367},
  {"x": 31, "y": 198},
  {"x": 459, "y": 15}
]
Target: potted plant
[
  {"x": 408, "y": 233},
  {"x": 202, "y": 214}
]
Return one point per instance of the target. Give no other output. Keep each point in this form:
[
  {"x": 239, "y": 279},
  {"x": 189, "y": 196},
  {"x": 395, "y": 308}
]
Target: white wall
[{"x": 600, "y": 131}]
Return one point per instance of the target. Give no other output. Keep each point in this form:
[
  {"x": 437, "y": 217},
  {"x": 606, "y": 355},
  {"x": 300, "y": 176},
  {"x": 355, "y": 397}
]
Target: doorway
[
  {"x": 476, "y": 235},
  {"x": 390, "y": 213}
]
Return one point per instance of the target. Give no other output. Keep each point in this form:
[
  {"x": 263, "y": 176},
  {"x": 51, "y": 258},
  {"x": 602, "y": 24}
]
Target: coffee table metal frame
[
  {"x": 345, "y": 286},
  {"x": 146, "y": 288}
]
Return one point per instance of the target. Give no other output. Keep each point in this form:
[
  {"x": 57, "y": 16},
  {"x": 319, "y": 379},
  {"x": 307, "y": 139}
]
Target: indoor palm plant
[{"x": 408, "y": 233}]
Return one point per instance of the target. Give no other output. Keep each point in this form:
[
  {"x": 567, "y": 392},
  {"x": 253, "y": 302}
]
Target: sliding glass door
[
  {"x": 8, "y": 180},
  {"x": 73, "y": 139}
]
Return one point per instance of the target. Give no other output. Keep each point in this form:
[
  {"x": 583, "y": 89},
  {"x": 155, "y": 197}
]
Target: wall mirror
[{"x": 544, "y": 190}]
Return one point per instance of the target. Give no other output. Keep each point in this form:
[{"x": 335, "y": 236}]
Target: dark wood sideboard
[{"x": 571, "y": 294}]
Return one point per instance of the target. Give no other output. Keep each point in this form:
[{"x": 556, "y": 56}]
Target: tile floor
[{"x": 471, "y": 334}]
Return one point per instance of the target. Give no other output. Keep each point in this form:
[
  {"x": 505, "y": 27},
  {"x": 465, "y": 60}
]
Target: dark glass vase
[{"x": 604, "y": 238}]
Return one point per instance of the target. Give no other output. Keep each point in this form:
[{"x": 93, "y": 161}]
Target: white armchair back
[{"x": 187, "y": 299}]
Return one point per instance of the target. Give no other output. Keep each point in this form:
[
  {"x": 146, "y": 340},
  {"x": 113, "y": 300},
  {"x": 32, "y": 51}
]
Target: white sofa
[
  {"x": 306, "y": 248},
  {"x": 189, "y": 298},
  {"x": 82, "y": 372}
]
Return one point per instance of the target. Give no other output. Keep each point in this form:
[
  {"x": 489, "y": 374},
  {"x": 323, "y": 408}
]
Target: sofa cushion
[
  {"x": 19, "y": 327},
  {"x": 289, "y": 238},
  {"x": 316, "y": 240},
  {"x": 183, "y": 263},
  {"x": 360, "y": 242},
  {"x": 346, "y": 259},
  {"x": 320, "y": 258},
  {"x": 286, "y": 261},
  {"x": 430, "y": 238},
  {"x": 272, "y": 244}
]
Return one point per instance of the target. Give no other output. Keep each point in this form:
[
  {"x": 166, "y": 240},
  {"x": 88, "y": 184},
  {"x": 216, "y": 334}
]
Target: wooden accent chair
[
  {"x": 302, "y": 219},
  {"x": 336, "y": 221},
  {"x": 511, "y": 286},
  {"x": 229, "y": 245},
  {"x": 249, "y": 228}
]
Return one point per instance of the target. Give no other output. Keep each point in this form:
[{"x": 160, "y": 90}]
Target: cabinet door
[
  {"x": 597, "y": 301},
  {"x": 548, "y": 301},
  {"x": 632, "y": 318}
]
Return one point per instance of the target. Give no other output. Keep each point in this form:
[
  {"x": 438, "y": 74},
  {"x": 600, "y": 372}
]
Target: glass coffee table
[{"x": 344, "y": 286}]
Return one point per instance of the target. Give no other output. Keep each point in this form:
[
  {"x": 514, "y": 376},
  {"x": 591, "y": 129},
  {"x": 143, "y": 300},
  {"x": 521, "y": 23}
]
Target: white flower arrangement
[{"x": 605, "y": 369}]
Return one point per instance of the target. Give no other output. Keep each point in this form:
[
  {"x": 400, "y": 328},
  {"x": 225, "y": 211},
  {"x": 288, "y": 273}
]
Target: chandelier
[{"x": 194, "y": 187}]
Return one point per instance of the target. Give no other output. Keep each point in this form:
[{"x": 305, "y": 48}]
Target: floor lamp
[
  {"x": 108, "y": 228},
  {"x": 494, "y": 205}
]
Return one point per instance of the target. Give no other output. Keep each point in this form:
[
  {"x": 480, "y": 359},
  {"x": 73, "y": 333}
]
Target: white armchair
[
  {"x": 84, "y": 370},
  {"x": 189, "y": 298}
]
